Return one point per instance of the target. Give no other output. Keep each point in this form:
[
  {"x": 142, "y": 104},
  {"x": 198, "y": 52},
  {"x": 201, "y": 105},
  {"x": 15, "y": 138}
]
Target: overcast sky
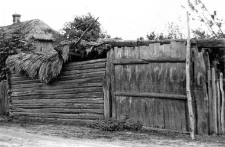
[{"x": 128, "y": 19}]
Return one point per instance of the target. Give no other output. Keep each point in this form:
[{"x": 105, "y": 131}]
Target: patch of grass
[{"x": 116, "y": 125}]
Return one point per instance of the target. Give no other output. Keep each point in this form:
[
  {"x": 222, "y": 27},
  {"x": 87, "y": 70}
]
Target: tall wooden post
[{"x": 188, "y": 82}]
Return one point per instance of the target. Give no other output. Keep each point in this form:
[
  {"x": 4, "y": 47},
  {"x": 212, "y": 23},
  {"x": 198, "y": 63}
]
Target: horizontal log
[
  {"x": 81, "y": 71},
  {"x": 165, "y": 59},
  {"x": 129, "y": 61},
  {"x": 78, "y": 76},
  {"x": 58, "y": 115},
  {"x": 133, "y": 43},
  {"x": 67, "y": 106},
  {"x": 57, "y": 101},
  {"x": 48, "y": 103},
  {"x": 210, "y": 43},
  {"x": 59, "y": 82},
  {"x": 60, "y": 120},
  {"x": 100, "y": 74},
  {"x": 59, "y": 88},
  {"x": 85, "y": 62},
  {"x": 84, "y": 66},
  {"x": 64, "y": 73},
  {"x": 55, "y": 92},
  {"x": 61, "y": 96},
  {"x": 152, "y": 95},
  {"x": 59, "y": 110},
  {"x": 207, "y": 43},
  {"x": 149, "y": 60}
]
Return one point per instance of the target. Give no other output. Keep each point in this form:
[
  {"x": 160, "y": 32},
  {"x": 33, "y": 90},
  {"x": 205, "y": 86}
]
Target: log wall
[
  {"x": 3, "y": 97},
  {"x": 77, "y": 93}
]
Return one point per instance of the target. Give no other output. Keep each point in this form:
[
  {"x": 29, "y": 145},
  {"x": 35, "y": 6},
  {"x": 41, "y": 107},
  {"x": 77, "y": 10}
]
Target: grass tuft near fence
[{"x": 116, "y": 125}]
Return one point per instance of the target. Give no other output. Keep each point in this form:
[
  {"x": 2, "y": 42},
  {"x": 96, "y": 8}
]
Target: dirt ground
[{"x": 17, "y": 134}]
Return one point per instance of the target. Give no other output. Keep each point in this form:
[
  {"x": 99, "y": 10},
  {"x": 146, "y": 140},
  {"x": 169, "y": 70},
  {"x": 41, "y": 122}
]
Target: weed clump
[{"x": 116, "y": 125}]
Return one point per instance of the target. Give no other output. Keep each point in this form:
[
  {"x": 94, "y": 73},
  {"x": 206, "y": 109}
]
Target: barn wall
[{"x": 77, "y": 93}]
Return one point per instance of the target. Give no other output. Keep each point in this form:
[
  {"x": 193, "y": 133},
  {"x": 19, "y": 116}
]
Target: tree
[
  {"x": 74, "y": 29},
  {"x": 201, "y": 34},
  {"x": 173, "y": 31}
]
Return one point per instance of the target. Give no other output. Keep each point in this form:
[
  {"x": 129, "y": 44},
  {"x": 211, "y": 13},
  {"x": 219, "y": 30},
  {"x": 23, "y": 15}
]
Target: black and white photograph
[{"x": 112, "y": 73}]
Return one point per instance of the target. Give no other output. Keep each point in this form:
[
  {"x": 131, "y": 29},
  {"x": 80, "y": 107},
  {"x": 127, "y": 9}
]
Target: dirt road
[
  {"x": 17, "y": 138},
  {"x": 17, "y": 135}
]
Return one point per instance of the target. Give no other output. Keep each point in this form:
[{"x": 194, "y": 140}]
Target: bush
[{"x": 116, "y": 125}]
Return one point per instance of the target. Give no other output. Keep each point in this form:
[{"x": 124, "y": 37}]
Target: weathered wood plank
[
  {"x": 144, "y": 70},
  {"x": 59, "y": 110},
  {"x": 78, "y": 67},
  {"x": 112, "y": 79},
  {"x": 3, "y": 97},
  {"x": 93, "y": 94},
  {"x": 152, "y": 95},
  {"x": 62, "y": 105},
  {"x": 55, "y": 92},
  {"x": 107, "y": 89},
  {"x": 209, "y": 89},
  {"x": 57, "y": 101},
  {"x": 67, "y": 72},
  {"x": 85, "y": 67},
  {"x": 59, "y": 88},
  {"x": 54, "y": 83},
  {"x": 134, "y": 43},
  {"x": 211, "y": 43},
  {"x": 85, "y": 62},
  {"x": 214, "y": 101},
  {"x": 61, "y": 120},
  {"x": 218, "y": 107},
  {"x": 148, "y": 60},
  {"x": 200, "y": 94},
  {"x": 222, "y": 104},
  {"x": 58, "y": 115},
  {"x": 77, "y": 76}
]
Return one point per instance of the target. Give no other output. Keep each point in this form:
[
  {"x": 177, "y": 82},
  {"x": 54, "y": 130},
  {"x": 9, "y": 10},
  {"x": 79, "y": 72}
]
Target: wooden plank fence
[
  {"x": 209, "y": 94},
  {"x": 148, "y": 85}
]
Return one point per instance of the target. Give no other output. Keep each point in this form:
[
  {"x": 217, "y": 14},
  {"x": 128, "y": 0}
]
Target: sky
[{"x": 128, "y": 19}]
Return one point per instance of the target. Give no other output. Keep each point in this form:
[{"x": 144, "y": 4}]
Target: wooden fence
[
  {"x": 148, "y": 85},
  {"x": 3, "y": 97},
  {"x": 208, "y": 92},
  {"x": 76, "y": 94}
]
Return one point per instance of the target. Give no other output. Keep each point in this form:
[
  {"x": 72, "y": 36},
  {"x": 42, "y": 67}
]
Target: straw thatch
[
  {"x": 28, "y": 39},
  {"x": 38, "y": 52},
  {"x": 39, "y": 64}
]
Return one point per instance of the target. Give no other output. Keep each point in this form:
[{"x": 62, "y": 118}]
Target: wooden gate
[
  {"x": 3, "y": 97},
  {"x": 147, "y": 84}
]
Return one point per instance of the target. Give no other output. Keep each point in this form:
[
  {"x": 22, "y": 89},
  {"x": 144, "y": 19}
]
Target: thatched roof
[
  {"x": 32, "y": 28},
  {"x": 24, "y": 37},
  {"x": 45, "y": 66},
  {"x": 22, "y": 40}
]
